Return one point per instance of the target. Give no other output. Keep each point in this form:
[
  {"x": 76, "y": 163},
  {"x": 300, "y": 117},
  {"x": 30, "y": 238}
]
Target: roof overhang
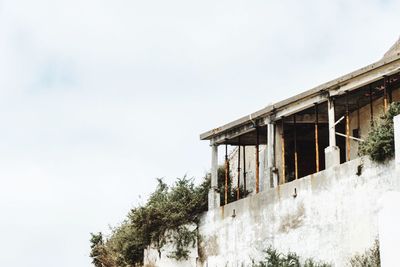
[{"x": 356, "y": 79}]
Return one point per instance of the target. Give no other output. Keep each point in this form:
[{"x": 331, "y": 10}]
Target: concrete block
[
  {"x": 332, "y": 156},
  {"x": 389, "y": 231},
  {"x": 213, "y": 199},
  {"x": 397, "y": 139}
]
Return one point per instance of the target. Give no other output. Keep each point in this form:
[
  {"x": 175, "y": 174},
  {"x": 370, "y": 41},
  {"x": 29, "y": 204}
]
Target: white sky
[{"x": 98, "y": 98}]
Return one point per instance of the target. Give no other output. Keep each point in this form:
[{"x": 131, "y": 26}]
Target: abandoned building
[
  {"x": 311, "y": 193},
  {"x": 307, "y": 133}
]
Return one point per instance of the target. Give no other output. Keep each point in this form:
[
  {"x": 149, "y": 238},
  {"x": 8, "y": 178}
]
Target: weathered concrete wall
[
  {"x": 155, "y": 258},
  {"x": 389, "y": 215},
  {"x": 333, "y": 216},
  {"x": 328, "y": 216}
]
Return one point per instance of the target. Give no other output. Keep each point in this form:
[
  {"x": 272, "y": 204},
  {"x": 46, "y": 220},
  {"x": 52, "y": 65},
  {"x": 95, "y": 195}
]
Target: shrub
[
  {"x": 276, "y": 259},
  {"x": 162, "y": 219},
  {"x": 371, "y": 258},
  {"x": 379, "y": 144}
]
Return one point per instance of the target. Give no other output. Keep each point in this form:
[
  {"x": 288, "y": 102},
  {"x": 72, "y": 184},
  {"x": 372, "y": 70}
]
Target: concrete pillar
[
  {"x": 389, "y": 214},
  {"x": 332, "y": 152},
  {"x": 397, "y": 140},
  {"x": 396, "y": 121},
  {"x": 389, "y": 231},
  {"x": 331, "y": 120},
  {"x": 213, "y": 194},
  {"x": 272, "y": 175}
]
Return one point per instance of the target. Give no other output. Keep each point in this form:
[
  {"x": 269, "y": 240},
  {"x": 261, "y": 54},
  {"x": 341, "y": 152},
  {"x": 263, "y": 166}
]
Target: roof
[
  {"x": 395, "y": 49},
  {"x": 336, "y": 86}
]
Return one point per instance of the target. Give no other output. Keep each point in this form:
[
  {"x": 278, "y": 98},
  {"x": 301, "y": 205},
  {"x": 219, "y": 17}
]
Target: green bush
[
  {"x": 276, "y": 259},
  {"x": 160, "y": 220},
  {"x": 371, "y": 258},
  {"x": 379, "y": 144}
]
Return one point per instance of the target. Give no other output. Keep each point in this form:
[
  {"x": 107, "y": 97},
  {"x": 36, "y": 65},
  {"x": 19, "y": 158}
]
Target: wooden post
[
  {"x": 226, "y": 173},
  {"x": 271, "y": 152},
  {"x": 257, "y": 161},
  {"x": 316, "y": 140},
  {"x": 371, "y": 106},
  {"x": 244, "y": 170},
  {"x": 283, "y": 153},
  {"x": 238, "y": 174},
  {"x": 296, "y": 164},
  {"x": 347, "y": 128},
  {"x": 385, "y": 94}
]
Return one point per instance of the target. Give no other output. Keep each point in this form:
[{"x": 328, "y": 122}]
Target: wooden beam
[
  {"x": 226, "y": 174},
  {"x": 296, "y": 169},
  {"x": 316, "y": 140},
  {"x": 238, "y": 176},
  {"x": 347, "y": 128},
  {"x": 257, "y": 162},
  {"x": 283, "y": 180}
]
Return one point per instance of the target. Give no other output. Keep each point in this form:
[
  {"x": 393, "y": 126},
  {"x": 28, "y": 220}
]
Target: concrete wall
[
  {"x": 329, "y": 216},
  {"x": 155, "y": 258},
  {"x": 333, "y": 216},
  {"x": 389, "y": 215}
]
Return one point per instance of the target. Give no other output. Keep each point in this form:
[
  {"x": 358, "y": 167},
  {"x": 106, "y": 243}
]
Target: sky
[{"x": 99, "y": 98}]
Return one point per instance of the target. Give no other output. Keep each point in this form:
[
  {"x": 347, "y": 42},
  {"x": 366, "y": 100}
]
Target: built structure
[
  {"x": 311, "y": 192},
  {"x": 307, "y": 133}
]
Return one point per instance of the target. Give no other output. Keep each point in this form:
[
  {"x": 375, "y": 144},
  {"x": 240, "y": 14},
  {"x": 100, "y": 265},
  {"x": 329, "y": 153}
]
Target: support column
[
  {"x": 226, "y": 174},
  {"x": 316, "y": 139},
  {"x": 282, "y": 180},
  {"x": 347, "y": 129},
  {"x": 371, "y": 106},
  {"x": 332, "y": 152},
  {"x": 244, "y": 171},
  {"x": 213, "y": 194},
  {"x": 396, "y": 121},
  {"x": 238, "y": 174},
  {"x": 296, "y": 164},
  {"x": 271, "y": 169},
  {"x": 257, "y": 161},
  {"x": 385, "y": 94}
]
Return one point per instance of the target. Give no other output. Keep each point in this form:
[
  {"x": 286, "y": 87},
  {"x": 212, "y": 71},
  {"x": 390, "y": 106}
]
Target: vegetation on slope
[
  {"x": 379, "y": 145},
  {"x": 371, "y": 258},
  {"x": 162, "y": 219},
  {"x": 275, "y": 259}
]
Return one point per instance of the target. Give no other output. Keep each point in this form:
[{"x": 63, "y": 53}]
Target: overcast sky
[{"x": 98, "y": 98}]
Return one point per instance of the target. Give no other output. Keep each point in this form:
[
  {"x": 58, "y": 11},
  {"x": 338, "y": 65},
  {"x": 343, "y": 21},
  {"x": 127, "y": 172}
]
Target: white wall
[
  {"x": 336, "y": 213},
  {"x": 334, "y": 216},
  {"x": 389, "y": 216}
]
